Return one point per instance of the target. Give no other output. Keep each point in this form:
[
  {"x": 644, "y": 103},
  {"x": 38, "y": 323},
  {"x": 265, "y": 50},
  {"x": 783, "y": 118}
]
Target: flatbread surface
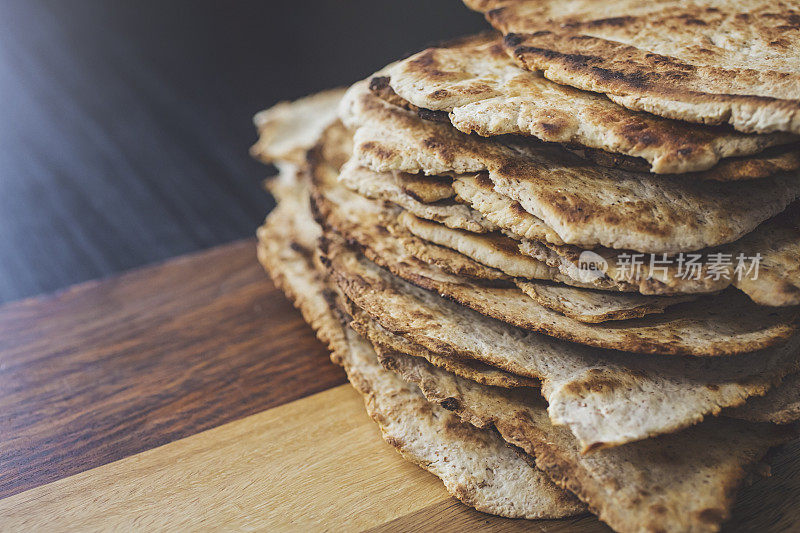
[
  {"x": 680, "y": 482},
  {"x": 485, "y": 92},
  {"x": 707, "y": 61},
  {"x": 707, "y": 327},
  {"x": 584, "y": 204},
  {"x": 475, "y": 465},
  {"x": 288, "y": 129},
  {"x": 607, "y": 398}
]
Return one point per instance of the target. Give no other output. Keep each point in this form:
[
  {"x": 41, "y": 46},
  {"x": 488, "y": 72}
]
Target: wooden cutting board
[{"x": 191, "y": 395}]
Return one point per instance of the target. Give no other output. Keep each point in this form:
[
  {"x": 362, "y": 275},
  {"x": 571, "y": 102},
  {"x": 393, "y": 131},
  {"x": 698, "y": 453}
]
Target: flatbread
[
  {"x": 777, "y": 240},
  {"x": 392, "y": 187},
  {"x": 525, "y": 259},
  {"x": 465, "y": 368},
  {"x": 710, "y": 61},
  {"x": 681, "y": 482},
  {"x": 607, "y": 398},
  {"x": 584, "y": 204},
  {"x": 781, "y": 405},
  {"x": 454, "y": 262},
  {"x": 476, "y": 466},
  {"x": 288, "y": 129},
  {"x": 485, "y": 92},
  {"x": 478, "y": 191},
  {"x": 491, "y": 249},
  {"x": 781, "y": 158},
  {"x": 540, "y": 242},
  {"x": 596, "y": 306},
  {"x": 283, "y": 251},
  {"x": 774, "y": 280},
  {"x": 428, "y": 189},
  {"x": 766, "y": 271},
  {"x": 389, "y": 186},
  {"x": 721, "y": 326},
  {"x": 483, "y": 247},
  {"x": 784, "y": 158}
]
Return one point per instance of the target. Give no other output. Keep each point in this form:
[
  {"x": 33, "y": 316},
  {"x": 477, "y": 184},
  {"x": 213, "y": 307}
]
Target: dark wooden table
[{"x": 124, "y": 125}]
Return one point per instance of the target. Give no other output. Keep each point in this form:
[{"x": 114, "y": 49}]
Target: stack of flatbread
[{"x": 561, "y": 261}]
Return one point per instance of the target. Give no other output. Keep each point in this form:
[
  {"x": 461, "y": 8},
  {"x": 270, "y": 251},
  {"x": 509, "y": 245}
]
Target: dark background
[{"x": 125, "y": 124}]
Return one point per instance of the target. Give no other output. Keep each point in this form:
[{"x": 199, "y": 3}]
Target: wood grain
[
  {"x": 106, "y": 390},
  {"x": 112, "y": 368},
  {"x": 316, "y": 463}
]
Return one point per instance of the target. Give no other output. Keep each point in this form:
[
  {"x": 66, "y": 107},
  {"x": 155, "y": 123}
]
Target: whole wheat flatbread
[
  {"x": 708, "y": 61},
  {"x": 392, "y": 187},
  {"x": 607, "y": 398},
  {"x": 331, "y": 180},
  {"x": 596, "y": 306},
  {"x": 476, "y": 466},
  {"x": 485, "y": 92},
  {"x": 772, "y": 160},
  {"x": 478, "y": 191},
  {"x": 589, "y": 306},
  {"x": 453, "y": 262},
  {"x": 777, "y": 240},
  {"x": 584, "y": 204},
  {"x": 389, "y": 186},
  {"x": 708, "y": 327},
  {"x": 681, "y": 482},
  {"x": 491, "y": 249},
  {"x": 282, "y": 250},
  {"x": 776, "y": 282},
  {"x": 428, "y": 189},
  {"x": 288, "y": 129},
  {"x": 524, "y": 259},
  {"x": 781, "y": 405},
  {"x": 286, "y": 241},
  {"x": 465, "y": 368}
]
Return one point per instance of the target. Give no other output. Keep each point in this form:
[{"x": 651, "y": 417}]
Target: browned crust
[
  {"x": 639, "y": 130},
  {"x": 450, "y": 261},
  {"x": 585, "y": 203},
  {"x": 634, "y": 337},
  {"x": 582, "y": 60},
  {"x": 465, "y": 295},
  {"x": 567, "y": 469},
  {"x": 466, "y": 368},
  {"x": 379, "y": 86},
  {"x": 768, "y": 163},
  {"x": 709, "y": 83},
  {"x": 656, "y": 305}
]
